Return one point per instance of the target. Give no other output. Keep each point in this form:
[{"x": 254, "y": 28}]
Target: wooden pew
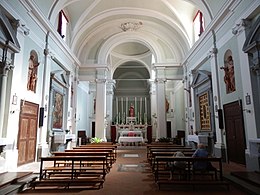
[
  {"x": 98, "y": 146},
  {"x": 111, "y": 151},
  {"x": 190, "y": 179},
  {"x": 166, "y": 152},
  {"x": 163, "y": 145},
  {"x": 72, "y": 175},
  {"x": 83, "y": 153}
]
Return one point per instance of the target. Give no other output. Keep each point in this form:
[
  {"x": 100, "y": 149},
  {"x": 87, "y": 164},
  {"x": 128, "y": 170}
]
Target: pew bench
[
  {"x": 108, "y": 160},
  {"x": 150, "y": 147},
  {"x": 93, "y": 183},
  {"x": 192, "y": 177},
  {"x": 111, "y": 151},
  {"x": 99, "y": 146},
  {"x": 72, "y": 175}
]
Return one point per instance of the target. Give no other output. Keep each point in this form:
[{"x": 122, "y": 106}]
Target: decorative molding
[
  {"x": 212, "y": 52},
  {"x": 23, "y": 28},
  {"x": 131, "y": 26},
  {"x": 239, "y": 27},
  {"x": 160, "y": 80},
  {"x": 101, "y": 80}
]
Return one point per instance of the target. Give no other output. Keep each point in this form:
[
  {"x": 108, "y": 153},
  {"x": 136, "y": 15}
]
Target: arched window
[
  {"x": 198, "y": 25},
  {"x": 62, "y": 25}
]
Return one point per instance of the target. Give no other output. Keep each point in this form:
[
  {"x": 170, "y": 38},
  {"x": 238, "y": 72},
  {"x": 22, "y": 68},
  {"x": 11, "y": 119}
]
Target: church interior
[{"x": 128, "y": 82}]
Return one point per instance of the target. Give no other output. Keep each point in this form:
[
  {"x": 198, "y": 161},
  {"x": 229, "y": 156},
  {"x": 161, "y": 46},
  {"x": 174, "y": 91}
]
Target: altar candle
[
  {"x": 122, "y": 104},
  {"x": 135, "y": 106},
  {"x": 141, "y": 99},
  {"x": 116, "y": 105},
  {"x": 145, "y": 105},
  {"x": 126, "y": 106}
]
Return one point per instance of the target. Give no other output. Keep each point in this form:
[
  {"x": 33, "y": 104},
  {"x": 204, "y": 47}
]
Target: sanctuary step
[
  {"x": 251, "y": 177},
  {"x": 248, "y": 181}
]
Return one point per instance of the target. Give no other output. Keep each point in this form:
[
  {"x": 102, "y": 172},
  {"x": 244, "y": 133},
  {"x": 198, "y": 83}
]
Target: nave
[{"x": 131, "y": 174}]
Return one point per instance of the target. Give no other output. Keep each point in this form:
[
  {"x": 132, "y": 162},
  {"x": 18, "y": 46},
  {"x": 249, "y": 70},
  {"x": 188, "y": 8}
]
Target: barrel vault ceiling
[{"x": 129, "y": 33}]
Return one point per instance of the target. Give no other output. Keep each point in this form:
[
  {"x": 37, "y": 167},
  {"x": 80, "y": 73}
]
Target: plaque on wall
[{"x": 204, "y": 112}]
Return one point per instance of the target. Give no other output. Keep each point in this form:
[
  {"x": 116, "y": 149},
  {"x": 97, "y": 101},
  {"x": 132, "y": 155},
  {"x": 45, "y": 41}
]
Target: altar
[
  {"x": 130, "y": 139},
  {"x": 133, "y": 137},
  {"x": 137, "y": 129}
]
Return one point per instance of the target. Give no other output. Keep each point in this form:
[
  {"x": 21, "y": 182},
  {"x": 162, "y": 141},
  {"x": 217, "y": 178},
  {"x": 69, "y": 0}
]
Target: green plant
[{"x": 96, "y": 140}]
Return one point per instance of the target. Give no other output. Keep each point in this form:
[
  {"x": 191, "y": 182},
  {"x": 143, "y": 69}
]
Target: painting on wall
[
  {"x": 57, "y": 110},
  {"x": 204, "y": 112}
]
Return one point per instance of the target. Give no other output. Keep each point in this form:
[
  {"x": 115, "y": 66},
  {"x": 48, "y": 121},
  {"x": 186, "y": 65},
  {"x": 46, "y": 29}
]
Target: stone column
[
  {"x": 249, "y": 57},
  {"x": 100, "y": 126},
  {"x": 219, "y": 145},
  {"x": 153, "y": 108},
  {"x": 109, "y": 111},
  {"x": 161, "y": 112}
]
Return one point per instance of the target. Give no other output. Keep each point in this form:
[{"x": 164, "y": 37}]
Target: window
[
  {"x": 198, "y": 24},
  {"x": 62, "y": 25}
]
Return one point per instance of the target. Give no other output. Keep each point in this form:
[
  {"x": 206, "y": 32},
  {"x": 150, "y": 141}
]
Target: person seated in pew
[
  {"x": 202, "y": 165},
  {"x": 176, "y": 165}
]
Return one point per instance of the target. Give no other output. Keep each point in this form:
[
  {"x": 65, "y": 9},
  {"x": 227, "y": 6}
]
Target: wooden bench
[
  {"x": 71, "y": 175},
  {"x": 98, "y": 146},
  {"x": 190, "y": 178},
  {"x": 154, "y": 154},
  {"x": 149, "y": 147},
  {"x": 66, "y": 183},
  {"x": 111, "y": 151},
  {"x": 173, "y": 150},
  {"x": 88, "y": 153}
]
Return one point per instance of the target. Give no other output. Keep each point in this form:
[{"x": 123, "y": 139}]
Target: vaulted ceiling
[{"x": 139, "y": 32}]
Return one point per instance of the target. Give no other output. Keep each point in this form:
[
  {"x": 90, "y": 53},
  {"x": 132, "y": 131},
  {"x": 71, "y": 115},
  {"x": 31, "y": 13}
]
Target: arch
[{"x": 116, "y": 40}]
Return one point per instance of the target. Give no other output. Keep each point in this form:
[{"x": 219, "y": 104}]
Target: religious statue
[
  {"x": 32, "y": 74},
  {"x": 131, "y": 111},
  {"x": 229, "y": 77}
]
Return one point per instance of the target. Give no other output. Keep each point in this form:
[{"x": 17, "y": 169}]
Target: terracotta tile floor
[{"x": 135, "y": 182}]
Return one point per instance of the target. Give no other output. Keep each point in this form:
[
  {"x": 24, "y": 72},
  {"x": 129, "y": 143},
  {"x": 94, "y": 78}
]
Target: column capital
[
  {"x": 212, "y": 52},
  {"x": 101, "y": 80},
  {"x": 240, "y": 26},
  {"x": 160, "y": 80}
]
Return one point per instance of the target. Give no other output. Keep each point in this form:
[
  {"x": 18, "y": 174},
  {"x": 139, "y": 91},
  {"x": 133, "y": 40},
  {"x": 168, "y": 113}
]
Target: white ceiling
[{"x": 114, "y": 32}]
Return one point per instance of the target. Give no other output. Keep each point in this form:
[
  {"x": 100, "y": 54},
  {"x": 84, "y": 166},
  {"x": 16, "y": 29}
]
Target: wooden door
[
  {"x": 27, "y": 132},
  {"x": 235, "y": 135},
  {"x": 113, "y": 133}
]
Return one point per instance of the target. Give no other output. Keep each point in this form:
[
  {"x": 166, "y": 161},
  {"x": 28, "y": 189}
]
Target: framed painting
[
  {"x": 57, "y": 110},
  {"x": 204, "y": 112}
]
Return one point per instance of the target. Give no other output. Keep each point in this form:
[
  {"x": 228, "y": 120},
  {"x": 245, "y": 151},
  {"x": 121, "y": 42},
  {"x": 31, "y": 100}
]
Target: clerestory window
[
  {"x": 63, "y": 25},
  {"x": 198, "y": 23}
]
